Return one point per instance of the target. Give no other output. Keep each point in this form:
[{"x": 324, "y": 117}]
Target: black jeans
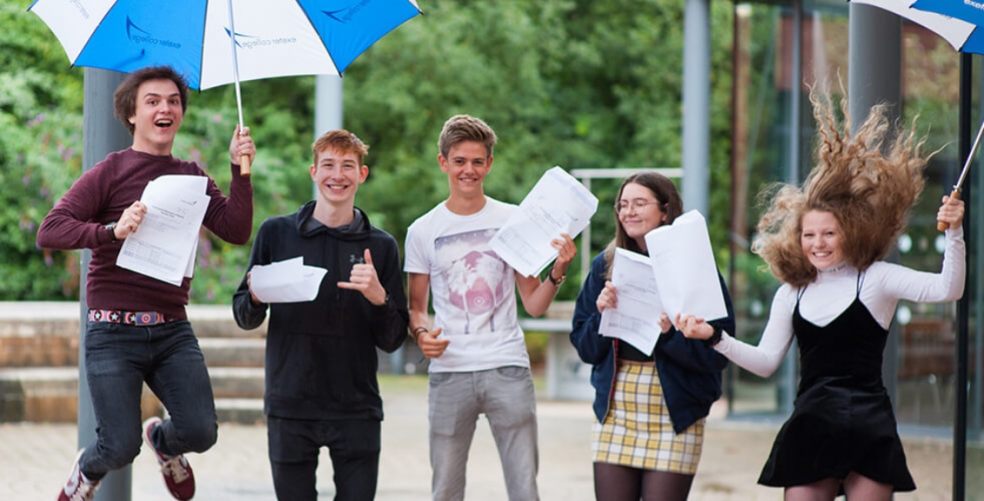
[
  {"x": 118, "y": 360},
  {"x": 294, "y": 445}
]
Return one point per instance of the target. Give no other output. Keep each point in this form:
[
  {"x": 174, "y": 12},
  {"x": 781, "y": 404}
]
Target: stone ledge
[{"x": 50, "y": 394}]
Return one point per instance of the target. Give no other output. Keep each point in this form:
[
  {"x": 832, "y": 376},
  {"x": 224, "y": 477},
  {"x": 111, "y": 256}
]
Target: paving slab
[{"x": 35, "y": 459}]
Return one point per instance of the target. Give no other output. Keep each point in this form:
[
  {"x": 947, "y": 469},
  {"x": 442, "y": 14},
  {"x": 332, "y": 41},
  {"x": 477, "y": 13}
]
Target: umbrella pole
[
  {"x": 941, "y": 226},
  {"x": 244, "y": 164}
]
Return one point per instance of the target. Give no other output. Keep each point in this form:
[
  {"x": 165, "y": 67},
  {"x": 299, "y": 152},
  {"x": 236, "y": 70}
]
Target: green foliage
[
  {"x": 576, "y": 83},
  {"x": 40, "y": 114}
]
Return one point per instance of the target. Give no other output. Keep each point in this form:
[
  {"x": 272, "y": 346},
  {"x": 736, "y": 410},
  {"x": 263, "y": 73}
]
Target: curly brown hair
[
  {"x": 869, "y": 191},
  {"x": 125, "y": 96}
]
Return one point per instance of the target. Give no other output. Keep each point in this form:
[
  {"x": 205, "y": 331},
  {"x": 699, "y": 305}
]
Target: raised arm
[
  {"x": 231, "y": 218},
  {"x": 537, "y": 295}
]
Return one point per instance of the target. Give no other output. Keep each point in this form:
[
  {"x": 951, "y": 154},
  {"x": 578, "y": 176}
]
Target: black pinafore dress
[{"x": 842, "y": 418}]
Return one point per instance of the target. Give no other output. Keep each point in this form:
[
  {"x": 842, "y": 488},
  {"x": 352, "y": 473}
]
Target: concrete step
[
  {"x": 233, "y": 352},
  {"x": 50, "y": 394},
  {"x": 237, "y": 382},
  {"x": 240, "y": 410},
  {"x": 46, "y": 334}
]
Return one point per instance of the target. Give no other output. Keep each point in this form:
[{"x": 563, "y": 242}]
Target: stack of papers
[
  {"x": 557, "y": 204},
  {"x": 288, "y": 281},
  {"x": 678, "y": 277},
  {"x": 165, "y": 243}
]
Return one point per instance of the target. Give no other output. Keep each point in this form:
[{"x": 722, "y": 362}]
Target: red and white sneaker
[
  {"x": 78, "y": 488},
  {"x": 178, "y": 477}
]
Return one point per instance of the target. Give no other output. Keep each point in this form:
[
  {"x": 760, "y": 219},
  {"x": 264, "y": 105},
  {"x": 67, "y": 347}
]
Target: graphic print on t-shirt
[{"x": 476, "y": 279}]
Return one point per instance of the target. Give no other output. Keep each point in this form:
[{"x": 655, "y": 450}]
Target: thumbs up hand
[{"x": 365, "y": 280}]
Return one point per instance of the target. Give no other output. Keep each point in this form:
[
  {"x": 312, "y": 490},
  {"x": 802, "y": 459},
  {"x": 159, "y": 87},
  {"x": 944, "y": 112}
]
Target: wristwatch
[
  {"x": 555, "y": 281},
  {"x": 111, "y": 229}
]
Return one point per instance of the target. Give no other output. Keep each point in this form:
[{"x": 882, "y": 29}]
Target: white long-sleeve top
[{"x": 833, "y": 291}]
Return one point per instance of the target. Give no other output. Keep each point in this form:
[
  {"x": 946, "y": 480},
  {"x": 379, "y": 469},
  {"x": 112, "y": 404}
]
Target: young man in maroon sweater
[{"x": 137, "y": 327}]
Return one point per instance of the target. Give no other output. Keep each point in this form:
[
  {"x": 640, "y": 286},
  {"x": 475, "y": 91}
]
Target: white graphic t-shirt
[{"x": 473, "y": 290}]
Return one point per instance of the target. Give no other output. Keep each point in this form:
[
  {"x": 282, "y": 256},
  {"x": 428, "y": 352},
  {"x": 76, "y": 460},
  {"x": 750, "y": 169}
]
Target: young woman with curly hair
[{"x": 824, "y": 241}]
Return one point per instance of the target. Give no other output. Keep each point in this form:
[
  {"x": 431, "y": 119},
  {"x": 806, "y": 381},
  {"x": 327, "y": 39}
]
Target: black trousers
[{"x": 294, "y": 446}]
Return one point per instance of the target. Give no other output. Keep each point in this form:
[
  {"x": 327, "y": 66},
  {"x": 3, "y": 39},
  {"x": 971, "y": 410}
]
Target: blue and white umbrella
[
  {"x": 969, "y": 11},
  {"x": 954, "y": 31},
  {"x": 218, "y": 42},
  {"x": 957, "y": 24}
]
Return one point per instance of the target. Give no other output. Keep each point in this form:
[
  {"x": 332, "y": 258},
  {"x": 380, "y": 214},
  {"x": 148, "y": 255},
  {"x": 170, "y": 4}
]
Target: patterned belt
[{"x": 140, "y": 318}]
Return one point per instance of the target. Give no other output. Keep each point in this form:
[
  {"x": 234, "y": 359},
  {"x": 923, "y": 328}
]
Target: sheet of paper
[
  {"x": 165, "y": 242},
  {"x": 636, "y": 318},
  {"x": 683, "y": 264},
  {"x": 557, "y": 204},
  {"x": 288, "y": 281},
  {"x": 196, "y": 184}
]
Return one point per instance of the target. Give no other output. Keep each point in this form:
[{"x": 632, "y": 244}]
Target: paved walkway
[{"x": 35, "y": 458}]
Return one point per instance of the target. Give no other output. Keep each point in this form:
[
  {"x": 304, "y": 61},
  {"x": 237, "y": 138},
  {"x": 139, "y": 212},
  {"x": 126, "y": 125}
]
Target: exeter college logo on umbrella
[{"x": 140, "y": 36}]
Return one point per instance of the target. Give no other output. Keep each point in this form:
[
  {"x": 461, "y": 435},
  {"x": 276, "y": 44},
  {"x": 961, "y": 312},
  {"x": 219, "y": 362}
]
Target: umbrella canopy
[
  {"x": 964, "y": 10},
  {"x": 195, "y": 37},
  {"x": 957, "y": 23},
  {"x": 954, "y": 31}
]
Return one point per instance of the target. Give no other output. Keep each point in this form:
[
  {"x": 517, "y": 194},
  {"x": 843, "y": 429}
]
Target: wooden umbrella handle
[
  {"x": 943, "y": 226},
  {"x": 244, "y": 166}
]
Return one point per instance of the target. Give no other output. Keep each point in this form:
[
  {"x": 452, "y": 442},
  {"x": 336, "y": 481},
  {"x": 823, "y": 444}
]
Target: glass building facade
[{"x": 780, "y": 49}]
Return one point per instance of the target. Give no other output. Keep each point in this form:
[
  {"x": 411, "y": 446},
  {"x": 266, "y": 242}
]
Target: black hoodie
[{"x": 321, "y": 355}]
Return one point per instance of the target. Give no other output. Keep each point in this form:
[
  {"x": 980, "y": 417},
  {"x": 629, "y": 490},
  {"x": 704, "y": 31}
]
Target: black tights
[{"x": 623, "y": 483}]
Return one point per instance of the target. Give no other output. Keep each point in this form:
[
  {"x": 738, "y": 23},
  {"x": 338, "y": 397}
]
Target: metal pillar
[
  {"x": 696, "y": 104},
  {"x": 101, "y": 134},
  {"x": 963, "y": 306},
  {"x": 874, "y": 77},
  {"x": 328, "y": 104},
  {"x": 788, "y": 379}
]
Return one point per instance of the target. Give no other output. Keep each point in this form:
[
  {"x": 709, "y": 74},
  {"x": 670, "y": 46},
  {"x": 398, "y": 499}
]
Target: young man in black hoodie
[{"x": 321, "y": 388}]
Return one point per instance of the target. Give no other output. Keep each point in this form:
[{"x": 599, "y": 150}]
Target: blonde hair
[
  {"x": 461, "y": 128},
  {"x": 868, "y": 191}
]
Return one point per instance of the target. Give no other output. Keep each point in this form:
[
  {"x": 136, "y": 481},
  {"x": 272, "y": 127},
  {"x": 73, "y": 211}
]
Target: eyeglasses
[{"x": 636, "y": 204}]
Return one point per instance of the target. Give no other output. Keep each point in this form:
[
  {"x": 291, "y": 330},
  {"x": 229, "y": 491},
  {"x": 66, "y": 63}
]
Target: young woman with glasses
[{"x": 650, "y": 407}]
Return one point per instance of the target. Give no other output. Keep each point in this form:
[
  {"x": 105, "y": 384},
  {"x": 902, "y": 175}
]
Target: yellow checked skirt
[{"x": 637, "y": 431}]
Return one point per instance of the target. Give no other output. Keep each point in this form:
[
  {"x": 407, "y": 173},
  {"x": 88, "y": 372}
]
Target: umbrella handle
[
  {"x": 244, "y": 166},
  {"x": 940, "y": 225}
]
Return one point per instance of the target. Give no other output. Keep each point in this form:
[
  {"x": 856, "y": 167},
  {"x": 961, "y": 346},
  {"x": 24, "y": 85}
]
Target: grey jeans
[{"x": 505, "y": 395}]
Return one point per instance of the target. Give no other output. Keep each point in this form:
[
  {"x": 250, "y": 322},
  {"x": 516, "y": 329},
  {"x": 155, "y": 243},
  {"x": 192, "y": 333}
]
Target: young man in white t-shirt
[{"x": 478, "y": 359}]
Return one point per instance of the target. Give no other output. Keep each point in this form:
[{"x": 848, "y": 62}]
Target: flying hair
[{"x": 867, "y": 180}]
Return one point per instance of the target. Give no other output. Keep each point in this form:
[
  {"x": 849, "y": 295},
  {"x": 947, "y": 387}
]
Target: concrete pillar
[
  {"x": 696, "y": 104},
  {"x": 328, "y": 105},
  {"x": 102, "y": 134},
  {"x": 875, "y": 76}
]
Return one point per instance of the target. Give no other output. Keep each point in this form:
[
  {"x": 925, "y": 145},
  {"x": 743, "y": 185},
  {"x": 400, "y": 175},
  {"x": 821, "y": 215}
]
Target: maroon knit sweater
[{"x": 100, "y": 196}]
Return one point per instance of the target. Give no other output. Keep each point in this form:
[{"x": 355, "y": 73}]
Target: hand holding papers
[
  {"x": 683, "y": 263},
  {"x": 165, "y": 243},
  {"x": 287, "y": 281},
  {"x": 557, "y": 204},
  {"x": 679, "y": 276},
  {"x": 636, "y": 317}
]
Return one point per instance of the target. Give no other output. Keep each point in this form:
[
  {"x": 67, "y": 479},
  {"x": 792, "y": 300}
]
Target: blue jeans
[
  {"x": 294, "y": 445},
  {"x": 505, "y": 395},
  {"x": 118, "y": 360}
]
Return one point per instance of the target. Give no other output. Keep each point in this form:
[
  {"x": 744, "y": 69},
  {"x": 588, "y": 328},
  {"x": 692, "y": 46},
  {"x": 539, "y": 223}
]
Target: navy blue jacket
[{"x": 689, "y": 369}]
